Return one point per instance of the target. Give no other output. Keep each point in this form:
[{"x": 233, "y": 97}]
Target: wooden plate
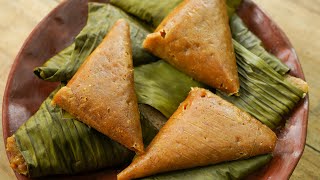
[{"x": 25, "y": 92}]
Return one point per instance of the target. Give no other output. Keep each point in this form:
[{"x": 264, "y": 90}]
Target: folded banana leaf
[
  {"x": 101, "y": 17},
  {"x": 264, "y": 93},
  {"x": 230, "y": 170},
  {"x": 162, "y": 86},
  {"x": 250, "y": 41},
  {"x": 150, "y": 11},
  {"x": 153, "y": 12},
  {"x": 67, "y": 146}
]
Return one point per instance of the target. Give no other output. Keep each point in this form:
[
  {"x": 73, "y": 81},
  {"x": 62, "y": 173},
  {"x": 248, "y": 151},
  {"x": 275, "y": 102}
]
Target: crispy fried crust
[
  {"x": 204, "y": 130},
  {"x": 101, "y": 93},
  {"x": 17, "y": 162},
  {"x": 195, "y": 38}
]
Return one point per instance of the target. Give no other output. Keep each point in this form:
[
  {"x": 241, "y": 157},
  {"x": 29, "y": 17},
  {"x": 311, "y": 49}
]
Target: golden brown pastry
[
  {"x": 204, "y": 130},
  {"x": 101, "y": 94},
  {"x": 195, "y": 38}
]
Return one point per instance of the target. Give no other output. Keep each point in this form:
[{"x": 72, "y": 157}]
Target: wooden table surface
[{"x": 300, "y": 20}]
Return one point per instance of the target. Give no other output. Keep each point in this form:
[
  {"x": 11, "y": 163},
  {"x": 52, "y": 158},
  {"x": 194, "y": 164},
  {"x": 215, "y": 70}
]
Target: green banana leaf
[
  {"x": 153, "y": 12},
  {"x": 251, "y": 42},
  {"x": 54, "y": 142},
  {"x": 101, "y": 18},
  {"x": 67, "y": 146},
  {"x": 162, "y": 86},
  {"x": 230, "y": 170},
  {"x": 264, "y": 93},
  {"x": 148, "y": 10}
]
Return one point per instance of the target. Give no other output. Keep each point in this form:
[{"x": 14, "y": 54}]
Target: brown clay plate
[{"x": 25, "y": 92}]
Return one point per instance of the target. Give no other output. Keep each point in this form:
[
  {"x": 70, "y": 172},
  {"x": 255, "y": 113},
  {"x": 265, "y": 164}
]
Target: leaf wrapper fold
[
  {"x": 250, "y": 41},
  {"x": 162, "y": 86},
  {"x": 229, "y": 170},
  {"x": 101, "y": 17},
  {"x": 151, "y": 12},
  {"x": 54, "y": 142},
  {"x": 264, "y": 93}
]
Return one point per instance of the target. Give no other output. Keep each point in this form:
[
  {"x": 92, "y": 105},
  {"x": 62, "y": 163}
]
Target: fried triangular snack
[
  {"x": 204, "y": 130},
  {"x": 101, "y": 94},
  {"x": 195, "y": 38}
]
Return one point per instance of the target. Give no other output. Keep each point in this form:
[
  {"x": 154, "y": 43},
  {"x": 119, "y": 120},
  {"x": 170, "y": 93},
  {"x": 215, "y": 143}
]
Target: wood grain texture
[
  {"x": 17, "y": 18},
  {"x": 299, "y": 19}
]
